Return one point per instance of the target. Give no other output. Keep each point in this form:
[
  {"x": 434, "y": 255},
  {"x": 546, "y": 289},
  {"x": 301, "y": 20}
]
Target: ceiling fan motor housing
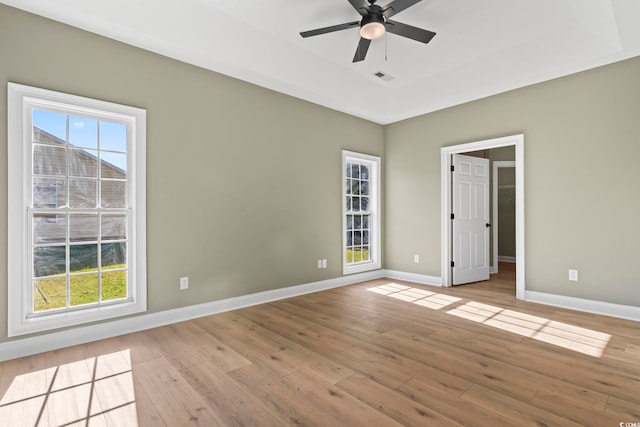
[{"x": 372, "y": 24}]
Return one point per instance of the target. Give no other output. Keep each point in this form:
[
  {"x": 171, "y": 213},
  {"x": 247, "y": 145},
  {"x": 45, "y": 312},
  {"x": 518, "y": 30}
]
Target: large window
[
  {"x": 361, "y": 212},
  {"x": 76, "y": 210}
]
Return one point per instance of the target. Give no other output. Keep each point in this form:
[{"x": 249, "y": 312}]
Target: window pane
[
  {"x": 364, "y": 203},
  {"x": 54, "y": 124},
  {"x": 349, "y": 222},
  {"x": 365, "y": 221},
  {"x": 113, "y": 194},
  {"x": 114, "y": 255},
  {"x": 355, "y": 171},
  {"x": 49, "y": 261},
  {"x": 365, "y": 238},
  {"x": 355, "y": 204},
  {"x": 357, "y": 221},
  {"x": 114, "y": 285},
  {"x": 83, "y": 132},
  {"x": 83, "y": 228},
  {"x": 82, "y": 257},
  {"x": 364, "y": 188},
  {"x": 82, "y": 193},
  {"x": 348, "y": 203},
  {"x": 348, "y": 186},
  {"x": 113, "y": 165},
  {"x": 114, "y": 227},
  {"x": 348, "y": 165},
  {"x": 113, "y": 136},
  {"x": 49, "y": 192},
  {"x": 49, "y": 294},
  {"x": 83, "y": 163},
  {"x": 49, "y": 160},
  {"x": 48, "y": 228},
  {"x": 83, "y": 289},
  {"x": 357, "y": 238},
  {"x": 364, "y": 172},
  {"x": 355, "y": 187}
]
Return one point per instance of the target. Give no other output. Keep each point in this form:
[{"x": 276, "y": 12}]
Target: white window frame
[
  {"x": 21, "y": 100},
  {"x": 375, "y": 174}
]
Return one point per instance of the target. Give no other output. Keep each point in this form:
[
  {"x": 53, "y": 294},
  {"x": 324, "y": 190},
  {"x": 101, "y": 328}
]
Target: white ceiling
[{"x": 481, "y": 47}]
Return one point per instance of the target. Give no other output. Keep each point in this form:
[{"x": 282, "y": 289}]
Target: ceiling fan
[{"x": 375, "y": 21}]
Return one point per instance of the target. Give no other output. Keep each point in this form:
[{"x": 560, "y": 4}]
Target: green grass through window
[
  {"x": 357, "y": 255},
  {"x": 51, "y": 293}
]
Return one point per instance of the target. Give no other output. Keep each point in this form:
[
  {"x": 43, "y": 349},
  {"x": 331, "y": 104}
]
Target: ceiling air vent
[{"x": 383, "y": 76}]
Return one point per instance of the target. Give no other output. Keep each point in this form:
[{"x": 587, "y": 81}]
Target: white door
[{"x": 470, "y": 183}]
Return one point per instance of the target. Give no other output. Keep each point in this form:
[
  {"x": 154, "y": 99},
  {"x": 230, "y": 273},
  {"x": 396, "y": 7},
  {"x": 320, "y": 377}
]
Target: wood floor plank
[
  {"x": 234, "y": 405},
  {"x": 296, "y": 354},
  {"x": 174, "y": 399},
  {"x": 455, "y": 408},
  {"x": 626, "y": 410},
  {"x": 514, "y": 409},
  {"x": 280, "y": 399},
  {"x": 148, "y": 415},
  {"x": 391, "y": 403},
  {"x": 572, "y": 410}
]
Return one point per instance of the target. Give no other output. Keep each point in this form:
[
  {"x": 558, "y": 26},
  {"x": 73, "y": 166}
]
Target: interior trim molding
[
  {"x": 21, "y": 347},
  {"x": 52, "y": 341},
  {"x": 590, "y": 306},
  {"x": 422, "y": 279}
]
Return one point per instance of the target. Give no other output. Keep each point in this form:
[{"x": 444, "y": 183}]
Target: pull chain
[{"x": 385, "y": 46}]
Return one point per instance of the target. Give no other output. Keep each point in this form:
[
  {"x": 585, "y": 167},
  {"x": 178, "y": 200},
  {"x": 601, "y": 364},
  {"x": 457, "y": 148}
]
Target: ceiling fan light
[{"x": 372, "y": 26}]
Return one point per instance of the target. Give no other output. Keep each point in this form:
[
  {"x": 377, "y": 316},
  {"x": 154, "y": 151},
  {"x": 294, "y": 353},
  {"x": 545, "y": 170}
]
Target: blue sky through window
[{"x": 83, "y": 132}]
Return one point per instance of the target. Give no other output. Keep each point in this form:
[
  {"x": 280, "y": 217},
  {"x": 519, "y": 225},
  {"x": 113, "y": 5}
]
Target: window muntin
[
  {"x": 76, "y": 167},
  {"x": 361, "y": 220}
]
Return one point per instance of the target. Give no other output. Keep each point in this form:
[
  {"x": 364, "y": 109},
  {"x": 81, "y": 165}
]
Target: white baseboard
[
  {"x": 422, "y": 279},
  {"x": 37, "y": 344},
  {"x": 590, "y": 306},
  {"x": 504, "y": 258},
  {"x": 41, "y": 343}
]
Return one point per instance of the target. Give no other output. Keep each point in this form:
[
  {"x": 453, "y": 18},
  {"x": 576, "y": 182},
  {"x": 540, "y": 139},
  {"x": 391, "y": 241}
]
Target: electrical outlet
[
  {"x": 319, "y": 263},
  {"x": 184, "y": 283},
  {"x": 573, "y": 275},
  {"x": 324, "y": 263},
  {"x": 416, "y": 259}
]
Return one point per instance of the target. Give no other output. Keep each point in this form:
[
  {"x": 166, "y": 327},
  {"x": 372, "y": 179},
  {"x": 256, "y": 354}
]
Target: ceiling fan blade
[
  {"x": 361, "y": 6},
  {"x": 362, "y": 49},
  {"x": 329, "y": 29},
  {"x": 409, "y": 31},
  {"x": 397, "y": 6}
]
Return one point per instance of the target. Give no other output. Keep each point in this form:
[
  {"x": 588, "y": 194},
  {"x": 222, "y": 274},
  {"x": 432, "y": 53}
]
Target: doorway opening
[
  {"x": 503, "y": 217},
  {"x": 446, "y": 203}
]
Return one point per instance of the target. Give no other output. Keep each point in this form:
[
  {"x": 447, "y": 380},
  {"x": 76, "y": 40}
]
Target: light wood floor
[{"x": 380, "y": 353}]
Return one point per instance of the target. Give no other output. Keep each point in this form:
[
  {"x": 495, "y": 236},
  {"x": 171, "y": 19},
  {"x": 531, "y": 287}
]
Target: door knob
[{"x": 487, "y": 225}]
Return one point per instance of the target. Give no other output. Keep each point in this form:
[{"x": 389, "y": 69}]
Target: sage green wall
[
  {"x": 243, "y": 182},
  {"x": 581, "y": 171}
]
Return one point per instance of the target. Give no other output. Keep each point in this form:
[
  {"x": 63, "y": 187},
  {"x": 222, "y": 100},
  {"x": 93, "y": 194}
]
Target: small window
[
  {"x": 76, "y": 168},
  {"x": 361, "y": 212}
]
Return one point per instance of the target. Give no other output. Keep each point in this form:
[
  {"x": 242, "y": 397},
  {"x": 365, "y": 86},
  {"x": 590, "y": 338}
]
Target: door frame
[
  {"x": 445, "y": 203},
  {"x": 494, "y": 203}
]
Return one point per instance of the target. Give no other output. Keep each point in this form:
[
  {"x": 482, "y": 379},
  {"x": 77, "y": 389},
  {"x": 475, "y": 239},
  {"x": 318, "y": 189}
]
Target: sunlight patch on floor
[
  {"x": 416, "y": 296},
  {"x": 94, "y": 391},
  {"x": 582, "y": 340}
]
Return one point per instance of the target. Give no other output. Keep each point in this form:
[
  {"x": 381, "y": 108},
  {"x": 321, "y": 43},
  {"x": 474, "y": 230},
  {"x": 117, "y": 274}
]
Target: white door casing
[
  {"x": 445, "y": 197},
  {"x": 470, "y": 180}
]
